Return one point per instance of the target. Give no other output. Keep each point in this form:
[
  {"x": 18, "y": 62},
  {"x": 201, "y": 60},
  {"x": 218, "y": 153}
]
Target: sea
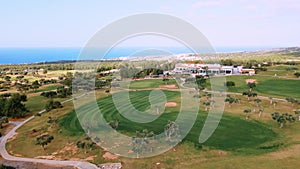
[{"x": 35, "y": 55}]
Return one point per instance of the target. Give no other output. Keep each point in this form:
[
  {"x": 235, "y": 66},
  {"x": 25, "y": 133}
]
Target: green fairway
[
  {"x": 267, "y": 85},
  {"x": 233, "y": 133},
  {"x": 280, "y": 87},
  {"x": 148, "y": 83},
  {"x": 47, "y": 88},
  {"x": 36, "y": 103}
]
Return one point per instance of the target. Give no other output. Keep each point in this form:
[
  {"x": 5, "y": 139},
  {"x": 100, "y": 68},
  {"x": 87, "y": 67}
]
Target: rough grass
[{"x": 24, "y": 143}]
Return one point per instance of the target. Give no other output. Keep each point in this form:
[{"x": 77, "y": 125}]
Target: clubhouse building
[{"x": 210, "y": 69}]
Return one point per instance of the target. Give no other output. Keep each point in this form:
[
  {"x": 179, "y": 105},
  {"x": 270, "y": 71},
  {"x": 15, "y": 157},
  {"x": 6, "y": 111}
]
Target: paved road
[{"x": 6, "y": 156}]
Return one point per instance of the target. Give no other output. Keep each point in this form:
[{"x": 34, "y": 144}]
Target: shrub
[{"x": 229, "y": 83}]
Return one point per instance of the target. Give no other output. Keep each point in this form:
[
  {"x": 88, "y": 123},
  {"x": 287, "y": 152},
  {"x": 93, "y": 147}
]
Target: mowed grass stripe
[{"x": 233, "y": 132}]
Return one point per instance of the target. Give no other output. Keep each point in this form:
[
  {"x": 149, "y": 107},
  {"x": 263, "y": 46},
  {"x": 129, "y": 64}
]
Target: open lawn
[
  {"x": 47, "y": 88},
  {"x": 281, "y": 70},
  {"x": 37, "y": 103},
  {"x": 148, "y": 83},
  {"x": 270, "y": 86}
]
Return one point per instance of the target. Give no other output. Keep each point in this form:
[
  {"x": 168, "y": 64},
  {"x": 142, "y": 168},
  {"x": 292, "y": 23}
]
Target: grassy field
[
  {"x": 47, "y": 88},
  {"x": 254, "y": 143},
  {"x": 270, "y": 86},
  {"x": 149, "y": 83},
  {"x": 281, "y": 70},
  {"x": 233, "y": 133},
  {"x": 37, "y": 103}
]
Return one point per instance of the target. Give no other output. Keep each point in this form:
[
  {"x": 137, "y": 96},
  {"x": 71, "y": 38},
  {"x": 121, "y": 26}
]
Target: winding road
[{"x": 6, "y": 156}]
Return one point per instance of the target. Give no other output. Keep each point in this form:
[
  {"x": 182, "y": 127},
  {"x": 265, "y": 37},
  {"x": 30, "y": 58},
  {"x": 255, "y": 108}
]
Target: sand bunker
[
  {"x": 109, "y": 156},
  {"x": 171, "y": 104},
  {"x": 168, "y": 86},
  {"x": 251, "y": 81}
]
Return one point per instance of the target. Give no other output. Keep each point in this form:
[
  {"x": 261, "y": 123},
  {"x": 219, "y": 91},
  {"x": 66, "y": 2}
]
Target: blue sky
[{"x": 69, "y": 23}]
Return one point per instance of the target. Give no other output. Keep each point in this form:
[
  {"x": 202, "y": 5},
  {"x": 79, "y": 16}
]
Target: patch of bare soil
[
  {"x": 6, "y": 128},
  {"x": 70, "y": 148},
  {"x": 168, "y": 86},
  {"x": 286, "y": 153},
  {"x": 251, "y": 81},
  {"x": 90, "y": 158},
  {"x": 109, "y": 156},
  {"x": 171, "y": 104},
  {"x": 12, "y": 137}
]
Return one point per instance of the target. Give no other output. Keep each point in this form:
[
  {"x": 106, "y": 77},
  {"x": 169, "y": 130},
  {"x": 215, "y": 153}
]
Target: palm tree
[{"x": 247, "y": 112}]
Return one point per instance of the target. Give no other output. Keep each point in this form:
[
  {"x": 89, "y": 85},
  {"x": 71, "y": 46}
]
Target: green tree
[
  {"x": 247, "y": 112},
  {"x": 141, "y": 142},
  {"x": 114, "y": 124},
  {"x": 297, "y": 112},
  {"x": 14, "y": 106},
  {"x": 292, "y": 100},
  {"x": 7, "y": 78},
  {"x": 201, "y": 82},
  {"x": 249, "y": 94},
  {"x": 230, "y": 100},
  {"x": 251, "y": 85},
  {"x": 3, "y": 120},
  {"x": 45, "y": 71},
  {"x": 257, "y": 101},
  {"x": 50, "y": 105},
  {"x": 229, "y": 84},
  {"x": 283, "y": 118},
  {"x": 35, "y": 85},
  {"x": 44, "y": 140},
  {"x": 172, "y": 132},
  {"x": 207, "y": 104}
]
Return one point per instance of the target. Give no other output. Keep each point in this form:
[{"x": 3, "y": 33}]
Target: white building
[{"x": 209, "y": 69}]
